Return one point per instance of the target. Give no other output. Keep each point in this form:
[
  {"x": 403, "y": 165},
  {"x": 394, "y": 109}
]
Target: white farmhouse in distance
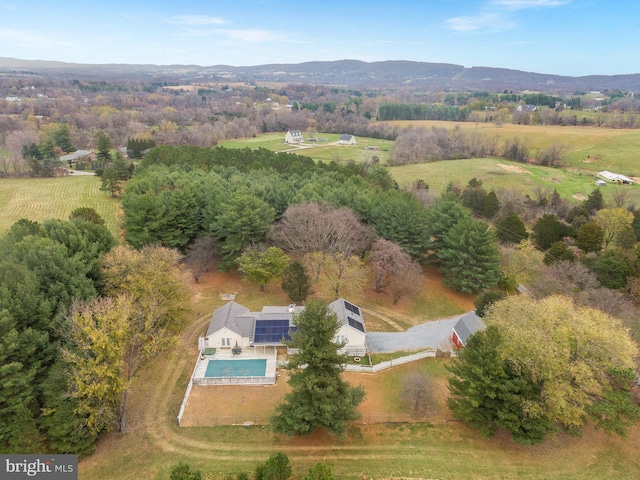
[{"x": 293, "y": 137}]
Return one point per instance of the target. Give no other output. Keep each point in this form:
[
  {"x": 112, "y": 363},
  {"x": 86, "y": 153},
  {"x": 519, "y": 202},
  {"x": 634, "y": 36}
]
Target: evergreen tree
[
  {"x": 558, "y": 252},
  {"x": 547, "y": 230},
  {"x": 243, "y": 220},
  {"x": 594, "y": 201},
  {"x": 446, "y": 212},
  {"x": 469, "y": 257},
  {"x": 491, "y": 205},
  {"x": 488, "y": 394},
  {"x": 295, "y": 282},
  {"x": 104, "y": 146},
  {"x": 86, "y": 213},
  {"x": 62, "y": 138},
  {"x": 319, "y": 397},
  {"x": 484, "y": 301},
  {"x": 590, "y": 237},
  {"x": 511, "y": 229}
]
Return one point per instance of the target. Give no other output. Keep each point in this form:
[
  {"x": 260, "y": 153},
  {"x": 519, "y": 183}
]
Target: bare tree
[
  {"x": 620, "y": 196},
  {"x": 407, "y": 284},
  {"x": 565, "y": 277},
  {"x": 417, "y": 392},
  {"x": 335, "y": 273},
  {"x": 201, "y": 255},
  {"x": 388, "y": 262},
  {"x": 309, "y": 227}
]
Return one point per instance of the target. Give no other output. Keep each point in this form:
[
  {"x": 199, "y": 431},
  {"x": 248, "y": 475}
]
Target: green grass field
[
  {"x": 41, "y": 198},
  {"x": 497, "y": 173},
  {"x": 324, "y": 150},
  {"x": 587, "y": 150}
]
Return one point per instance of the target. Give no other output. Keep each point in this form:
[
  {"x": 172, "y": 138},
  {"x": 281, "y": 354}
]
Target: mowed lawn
[
  {"x": 325, "y": 149},
  {"x": 591, "y": 149},
  {"x": 432, "y": 450},
  {"x": 41, "y": 198},
  {"x": 497, "y": 173}
]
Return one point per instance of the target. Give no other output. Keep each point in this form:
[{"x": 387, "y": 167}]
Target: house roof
[
  {"x": 468, "y": 324},
  {"x": 240, "y": 320},
  {"x": 346, "y": 136},
  {"x": 348, "y": 314},
  {"x": 75, "y": 155},
  {"x": 231, "y": 316},
  {"x": 295, "y": 133},
  {"x": 614, "y": 177}
]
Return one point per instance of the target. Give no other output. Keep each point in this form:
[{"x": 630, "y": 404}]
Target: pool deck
[{"x": 269, "y": 378}]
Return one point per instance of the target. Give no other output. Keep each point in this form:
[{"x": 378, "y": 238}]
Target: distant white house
[
  {"x": 293, "y": 137},
  {"x": 614, "y": 178},
  {"x": 234, "y": 325},
  {"x": 347, "y": 139},
  {"x": 526, "y": 108}
]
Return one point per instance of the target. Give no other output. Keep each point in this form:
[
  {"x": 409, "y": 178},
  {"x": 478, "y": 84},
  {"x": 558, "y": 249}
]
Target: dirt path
[{"x": 382, "y": 317}]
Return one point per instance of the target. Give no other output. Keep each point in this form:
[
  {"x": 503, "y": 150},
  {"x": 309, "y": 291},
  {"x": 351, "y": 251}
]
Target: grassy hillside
[
  {"x": 588, "y": 149},
  {"x": 497, "y": 173},
  {"x": 325, "y": 149},
  {"x": 42, "y": 198}
]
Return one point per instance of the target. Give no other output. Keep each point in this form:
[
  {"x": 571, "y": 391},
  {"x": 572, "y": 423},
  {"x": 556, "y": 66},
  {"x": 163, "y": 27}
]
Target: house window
[
  {"x": 342, "y": 339},
  {"x": 226, "y": 342}
]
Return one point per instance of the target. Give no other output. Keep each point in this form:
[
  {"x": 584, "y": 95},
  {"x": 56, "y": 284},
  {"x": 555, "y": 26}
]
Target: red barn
[{"x": 468, "y": 324}]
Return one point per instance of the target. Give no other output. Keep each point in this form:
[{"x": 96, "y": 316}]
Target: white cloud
[
  {"x": 196, "y": 20},
  {"x": 486, "y": 22},
  {"x": 238, "y": 35},
  {"x": 522, "y": 4}
]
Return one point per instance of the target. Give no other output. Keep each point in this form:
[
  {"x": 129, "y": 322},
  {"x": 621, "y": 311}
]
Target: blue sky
[{"x": 565, "y": 37}]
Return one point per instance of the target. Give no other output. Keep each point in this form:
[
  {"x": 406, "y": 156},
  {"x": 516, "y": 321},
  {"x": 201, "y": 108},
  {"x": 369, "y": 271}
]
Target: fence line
[
  {"x": 251, "y": 420},
  {"x": 390, "y": 363},
  {"x": 189, "y": 386},
  {"x": 235, "y": 380}
]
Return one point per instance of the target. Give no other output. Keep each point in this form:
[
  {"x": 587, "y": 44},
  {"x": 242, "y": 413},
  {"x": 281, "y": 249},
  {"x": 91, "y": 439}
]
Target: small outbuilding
[{"x": 468, "y": 324}]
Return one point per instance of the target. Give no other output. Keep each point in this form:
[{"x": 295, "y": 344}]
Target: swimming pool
[{"x": 250, "y": 367}]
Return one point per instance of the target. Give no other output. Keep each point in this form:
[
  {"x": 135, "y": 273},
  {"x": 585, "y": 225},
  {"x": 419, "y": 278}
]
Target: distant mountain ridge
[{"x": 350, "y": 73}]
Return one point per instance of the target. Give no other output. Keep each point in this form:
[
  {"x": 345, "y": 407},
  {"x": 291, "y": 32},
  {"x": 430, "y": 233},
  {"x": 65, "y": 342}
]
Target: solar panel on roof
[
  {"x": 351, "y": 308},
  {"x": 355, "y": 324},
  {"x": 272, "y": 331}
]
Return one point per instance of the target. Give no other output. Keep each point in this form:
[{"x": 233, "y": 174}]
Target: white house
[
  {"x": 234, "y": 325},
  {"x": 352, "y": 331},
  {"x": 293, "y": 136},
  {"x": 347, "y": 139}
]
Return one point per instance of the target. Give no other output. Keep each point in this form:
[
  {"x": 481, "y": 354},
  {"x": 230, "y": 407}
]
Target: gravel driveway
[{"x": 432, "y": 334}]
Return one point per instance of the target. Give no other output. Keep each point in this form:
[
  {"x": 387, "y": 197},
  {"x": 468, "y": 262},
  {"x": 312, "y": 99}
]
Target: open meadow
[
  {"x": 430, "y": 447},
  {"x": 587, "y": 150},
  {"x": 41, "y": 198},
  {"x": 324, "y": 149}
]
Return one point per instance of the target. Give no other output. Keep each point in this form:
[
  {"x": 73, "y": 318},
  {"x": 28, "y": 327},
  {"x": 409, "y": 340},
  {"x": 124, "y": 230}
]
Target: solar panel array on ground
[
  {"x": 272, "y": 331},
  {"x": 352, "y": 308}
]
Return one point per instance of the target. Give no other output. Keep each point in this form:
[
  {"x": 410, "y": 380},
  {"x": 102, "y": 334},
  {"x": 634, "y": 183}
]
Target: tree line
[{"x": 79, "y": 316}]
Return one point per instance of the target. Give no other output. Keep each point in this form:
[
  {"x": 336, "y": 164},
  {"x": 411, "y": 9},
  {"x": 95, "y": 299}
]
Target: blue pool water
[{"x": 252, "y": 367}]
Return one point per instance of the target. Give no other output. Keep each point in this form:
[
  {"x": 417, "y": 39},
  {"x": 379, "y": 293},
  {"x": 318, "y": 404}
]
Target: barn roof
[{"x": 468, "y": 324}]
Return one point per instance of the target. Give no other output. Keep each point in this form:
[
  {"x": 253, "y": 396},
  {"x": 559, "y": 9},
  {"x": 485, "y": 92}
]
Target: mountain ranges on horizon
[{"x": 347, "y": 73}]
